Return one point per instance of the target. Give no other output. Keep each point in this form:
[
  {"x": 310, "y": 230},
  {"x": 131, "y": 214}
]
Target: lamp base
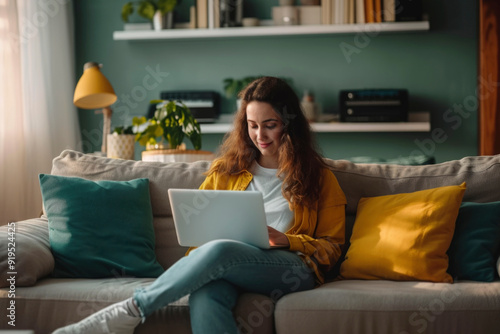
[{"x": 106, "y": 128}]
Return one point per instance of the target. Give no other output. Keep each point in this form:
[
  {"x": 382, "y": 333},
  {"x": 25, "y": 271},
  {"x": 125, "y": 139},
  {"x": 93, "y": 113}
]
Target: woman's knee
[{"x": 220, "y": 249}]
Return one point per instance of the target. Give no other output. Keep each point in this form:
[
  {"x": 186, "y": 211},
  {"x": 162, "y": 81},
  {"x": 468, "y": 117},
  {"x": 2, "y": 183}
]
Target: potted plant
[
  {"x": 233, "y": 86},
  {"x": 172, "y": 123},
  {"x": 160, "y": 12},
  {"x": 121, "y": 143}
]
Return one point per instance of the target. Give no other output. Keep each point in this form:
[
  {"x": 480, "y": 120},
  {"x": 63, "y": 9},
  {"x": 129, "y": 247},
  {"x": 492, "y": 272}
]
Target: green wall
[{"x": 438, "y": 67}]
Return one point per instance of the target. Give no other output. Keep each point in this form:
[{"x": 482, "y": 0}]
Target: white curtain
[{"x": 37, "y": 116}]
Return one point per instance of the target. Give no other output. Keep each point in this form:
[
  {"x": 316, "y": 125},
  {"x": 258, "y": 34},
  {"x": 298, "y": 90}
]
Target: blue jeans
[{"x": 216, "y": 273}]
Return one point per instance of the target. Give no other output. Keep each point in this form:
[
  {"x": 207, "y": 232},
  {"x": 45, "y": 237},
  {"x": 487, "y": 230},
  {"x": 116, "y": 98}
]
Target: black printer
[{"x": 204, "y": 105}]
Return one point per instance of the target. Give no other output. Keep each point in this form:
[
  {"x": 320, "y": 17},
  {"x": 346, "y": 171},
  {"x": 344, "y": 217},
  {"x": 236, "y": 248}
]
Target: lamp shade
[{"x": 93, "y": 90}]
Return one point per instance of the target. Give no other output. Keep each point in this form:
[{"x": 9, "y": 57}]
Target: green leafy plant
[
  {"x": 233, "y": 86},
  {"x": 172, "y": 121},
  {"x": 147, "y": 8},
  {"x": 122, "y": 130}
]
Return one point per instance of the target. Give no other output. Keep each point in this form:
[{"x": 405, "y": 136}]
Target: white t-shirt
[{"x": 278, "y": 213}]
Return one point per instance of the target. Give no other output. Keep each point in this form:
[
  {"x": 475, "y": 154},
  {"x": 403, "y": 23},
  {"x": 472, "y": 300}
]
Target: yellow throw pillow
[{"x": 404, "y": 237}]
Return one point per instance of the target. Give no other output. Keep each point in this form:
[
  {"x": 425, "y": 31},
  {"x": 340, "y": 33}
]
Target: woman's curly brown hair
[{"x": 299, "y": 164}]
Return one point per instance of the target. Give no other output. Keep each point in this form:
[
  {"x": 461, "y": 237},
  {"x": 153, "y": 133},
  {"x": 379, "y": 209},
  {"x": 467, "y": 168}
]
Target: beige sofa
[{"x": 43, "y": 303}]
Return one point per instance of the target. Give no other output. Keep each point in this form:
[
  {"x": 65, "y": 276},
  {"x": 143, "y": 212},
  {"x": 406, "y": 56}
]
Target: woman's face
[{"x": 264, "y": 128}]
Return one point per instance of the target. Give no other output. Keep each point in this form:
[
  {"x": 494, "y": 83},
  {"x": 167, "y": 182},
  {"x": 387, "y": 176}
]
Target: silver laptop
[{"x": 205, "y": 215}]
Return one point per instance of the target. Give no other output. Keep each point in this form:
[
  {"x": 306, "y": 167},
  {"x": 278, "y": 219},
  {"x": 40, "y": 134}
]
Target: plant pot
[
  {"x": 163, "y": 21},
  {"x": 170, "y": 155},
  {"x": 120, "y": 146}
]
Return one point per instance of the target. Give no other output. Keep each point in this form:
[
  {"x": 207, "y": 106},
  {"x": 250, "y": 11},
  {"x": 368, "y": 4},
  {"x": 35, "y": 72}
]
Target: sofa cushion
[
  {"x": 404, "y": 236},
  {"x": 476, "y": 242},
  {"x": 368, "y": 180},
  {"x": 31, "y": 254},
  {"x": 100, "y": 228},
  {"x": 57, "y": 302},
  {"x": 380, "y": 306}
]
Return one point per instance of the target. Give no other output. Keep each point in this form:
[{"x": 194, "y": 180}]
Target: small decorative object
[
  {"x": 309, "y": 15},
  {"x": 250, "y": 22},
  {"x": 310, "y": 108},
  {"x": 163, "y": 21},
  {"x": 231, "y": 13},
  {"x": 160, "y": 12},
  {"x": 285, "y": 15}
]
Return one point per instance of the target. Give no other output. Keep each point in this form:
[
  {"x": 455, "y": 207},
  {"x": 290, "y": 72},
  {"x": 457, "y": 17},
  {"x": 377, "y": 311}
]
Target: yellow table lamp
[{"x": 93, "y": 91}]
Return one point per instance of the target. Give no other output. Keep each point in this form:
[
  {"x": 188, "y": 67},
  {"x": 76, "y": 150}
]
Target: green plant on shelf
[
  {"x": 172, "y": 121},
  {"x": 148, "y": 8},
  {"x": 232, "y": 87},
  {"x": 122, "y": 130}
]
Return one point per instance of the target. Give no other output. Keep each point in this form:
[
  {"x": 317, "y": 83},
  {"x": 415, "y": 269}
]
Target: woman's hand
[{"x": 276, "y": 238}]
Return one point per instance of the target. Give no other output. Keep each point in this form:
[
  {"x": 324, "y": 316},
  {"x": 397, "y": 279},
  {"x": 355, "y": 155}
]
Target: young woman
[{"x": 269, "y": 150}]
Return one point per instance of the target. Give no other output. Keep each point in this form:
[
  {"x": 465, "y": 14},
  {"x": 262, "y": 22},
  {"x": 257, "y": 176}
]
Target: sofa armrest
[
  {"x": 498, "y": 266},
  {"x": 27, "y": 244}
]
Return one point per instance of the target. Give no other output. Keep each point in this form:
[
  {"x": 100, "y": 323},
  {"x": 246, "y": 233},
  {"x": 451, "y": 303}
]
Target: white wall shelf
[
  {"x": 417, "y": 122},
  {"x": 261, "y": 31}
]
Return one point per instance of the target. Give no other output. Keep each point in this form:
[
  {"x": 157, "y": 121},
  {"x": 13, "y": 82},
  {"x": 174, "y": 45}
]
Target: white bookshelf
[
  {"x": 262, "y": 31},
  {"x": 417, "y": 122}
]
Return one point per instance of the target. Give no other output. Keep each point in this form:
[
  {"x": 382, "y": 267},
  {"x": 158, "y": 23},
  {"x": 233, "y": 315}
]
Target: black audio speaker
[{"x": 374, "y": 105}]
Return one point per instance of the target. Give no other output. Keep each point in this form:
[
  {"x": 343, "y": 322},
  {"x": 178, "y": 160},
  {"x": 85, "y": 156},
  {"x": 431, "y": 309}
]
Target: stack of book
[
  {"x": 229, "y": 13},
  {"x": 217, "y": 13},
  {"x": 370, "y": 11}
]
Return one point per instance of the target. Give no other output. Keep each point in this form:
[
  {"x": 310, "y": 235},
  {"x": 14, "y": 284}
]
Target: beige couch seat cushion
[
  {"x": 76, "y": 299},
  {"x": 379, "y": 306}
]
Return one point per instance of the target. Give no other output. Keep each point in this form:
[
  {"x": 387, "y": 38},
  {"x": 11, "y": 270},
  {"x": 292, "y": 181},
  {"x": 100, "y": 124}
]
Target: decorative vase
[
  {"x": 163, "y": 21},
  {"x": 120, "y": 146}
]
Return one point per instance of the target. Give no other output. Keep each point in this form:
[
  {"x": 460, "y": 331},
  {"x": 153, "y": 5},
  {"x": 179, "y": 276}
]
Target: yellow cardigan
[{"x": 317, "y": 233}]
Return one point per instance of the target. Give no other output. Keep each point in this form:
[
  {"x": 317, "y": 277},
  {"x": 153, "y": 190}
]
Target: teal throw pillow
[
  {"x": 100, "y": 228},
  {"x": 475, "y": 246}
]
